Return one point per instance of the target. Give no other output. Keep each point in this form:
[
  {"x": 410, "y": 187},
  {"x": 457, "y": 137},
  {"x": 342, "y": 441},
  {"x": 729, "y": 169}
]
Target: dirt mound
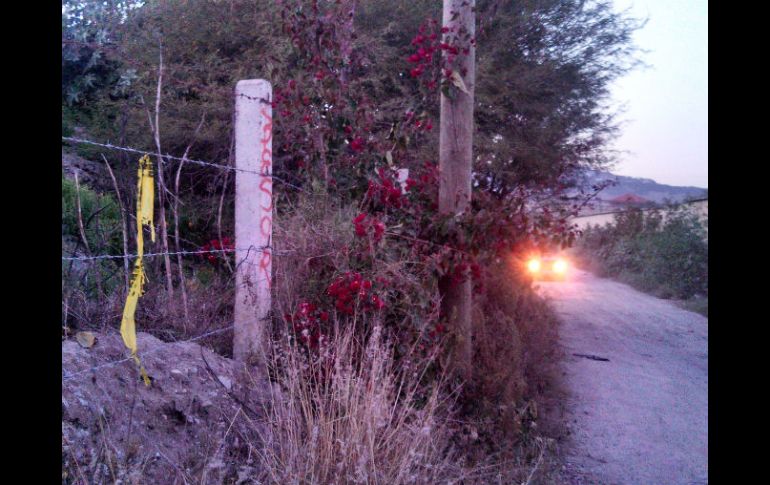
[{"x": 196, "y": 423}]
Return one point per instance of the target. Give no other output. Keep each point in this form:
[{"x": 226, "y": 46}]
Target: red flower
[
  {"x": 306, "y": 308},
  {"x": 379, "y": 229},
  {"x": 377, "y": 302},
  {"x": 357, "y": 144},
  {"x": 210, "y": 249},
  {"x": 351, "y": 291}
]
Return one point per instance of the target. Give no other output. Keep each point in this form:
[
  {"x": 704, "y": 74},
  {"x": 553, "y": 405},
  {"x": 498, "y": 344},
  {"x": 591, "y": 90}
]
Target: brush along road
[{"x": 641, "y": 416}]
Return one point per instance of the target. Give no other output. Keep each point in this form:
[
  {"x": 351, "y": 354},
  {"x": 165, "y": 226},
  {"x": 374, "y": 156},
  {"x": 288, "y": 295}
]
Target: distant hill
[{"x": 641, "y": 187}]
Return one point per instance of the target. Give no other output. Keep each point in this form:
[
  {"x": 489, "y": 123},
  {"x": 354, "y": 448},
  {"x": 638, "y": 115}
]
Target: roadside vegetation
[
  {"x": 663, "y": 252},
  {"x": 361, "y": 364}
]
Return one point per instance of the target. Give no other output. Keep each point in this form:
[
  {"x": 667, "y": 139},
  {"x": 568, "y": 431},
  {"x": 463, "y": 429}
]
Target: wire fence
[
  {"x": 174, "y": 253},
  {"x": 197, "y": 252},
  {"x": 164, "y": 159}
]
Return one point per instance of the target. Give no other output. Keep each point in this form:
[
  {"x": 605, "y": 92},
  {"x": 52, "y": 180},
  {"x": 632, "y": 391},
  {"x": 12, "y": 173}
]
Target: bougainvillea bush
[{"x": 331, "y": 125}]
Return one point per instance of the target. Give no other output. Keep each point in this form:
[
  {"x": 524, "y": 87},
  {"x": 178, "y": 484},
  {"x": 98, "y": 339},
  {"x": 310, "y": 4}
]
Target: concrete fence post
[{"x": 253, "y": 217}]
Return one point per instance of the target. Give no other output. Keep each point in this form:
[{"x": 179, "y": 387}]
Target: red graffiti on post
[{"x": 266, "y": 187}]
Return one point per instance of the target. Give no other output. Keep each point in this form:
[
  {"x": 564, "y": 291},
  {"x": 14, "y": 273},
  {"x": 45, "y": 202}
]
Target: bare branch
[{"x": 123, "y": 221}]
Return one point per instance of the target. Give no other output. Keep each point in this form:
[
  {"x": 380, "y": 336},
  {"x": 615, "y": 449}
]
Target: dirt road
[{"x": 640, "y": 417}]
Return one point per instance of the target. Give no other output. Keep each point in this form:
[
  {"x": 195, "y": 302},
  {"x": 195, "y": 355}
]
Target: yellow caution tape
[
  {"x": 144, "y": 216},
  {"x": 146, "y": 196}
]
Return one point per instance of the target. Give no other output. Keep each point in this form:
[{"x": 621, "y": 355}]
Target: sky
[{"x": 665, "y": 123}]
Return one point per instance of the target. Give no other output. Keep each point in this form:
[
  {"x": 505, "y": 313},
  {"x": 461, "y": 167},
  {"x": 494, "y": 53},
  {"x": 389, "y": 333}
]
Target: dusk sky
[{"x": 666, "y": 119}]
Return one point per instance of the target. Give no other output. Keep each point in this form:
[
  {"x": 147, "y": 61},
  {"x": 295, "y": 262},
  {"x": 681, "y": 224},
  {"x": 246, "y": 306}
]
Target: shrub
[
  {"x": 100, "y": 215},
  {"x": 515, "y": 356},
  {"x": 664, "y": 255},
  {"x": 96, "y": 279}
]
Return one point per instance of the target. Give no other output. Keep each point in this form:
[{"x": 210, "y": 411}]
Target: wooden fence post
[
  {"x": 455, "y": 160},
  {"x": 253, "y": 217}
]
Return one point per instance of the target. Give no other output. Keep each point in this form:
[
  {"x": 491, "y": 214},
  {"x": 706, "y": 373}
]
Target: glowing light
[
  {"x": 533, "y": 265},
  {"x": 559, "y": 266}
]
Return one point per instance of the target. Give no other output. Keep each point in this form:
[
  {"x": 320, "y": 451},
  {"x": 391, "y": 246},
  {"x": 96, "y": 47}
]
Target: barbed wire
[
  {"x": 68, "y": 376},
  {"x": 171, "y": 157},
  {"x": 174, "y": 253}
]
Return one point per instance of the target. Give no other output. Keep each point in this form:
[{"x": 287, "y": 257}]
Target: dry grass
[
  {"x": 354, "y": 415},
  {"x": 313, "y": 237},
  {"x": 351, "y": 416}
]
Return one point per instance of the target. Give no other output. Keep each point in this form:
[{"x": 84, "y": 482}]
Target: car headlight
[
  {"x": 559, "y": 266},
  {"x": 533, "y": 265}
]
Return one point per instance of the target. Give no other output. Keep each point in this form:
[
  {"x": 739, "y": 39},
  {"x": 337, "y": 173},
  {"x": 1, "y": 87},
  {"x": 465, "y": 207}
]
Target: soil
[{"x": 195, "y": 423}]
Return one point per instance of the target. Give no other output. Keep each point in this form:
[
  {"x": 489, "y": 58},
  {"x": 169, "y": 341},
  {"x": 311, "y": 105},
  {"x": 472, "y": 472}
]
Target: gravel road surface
[{"x": 641, "y": 415}]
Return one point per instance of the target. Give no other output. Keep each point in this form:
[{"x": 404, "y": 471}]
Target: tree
[{"x": 545, "y": 68}]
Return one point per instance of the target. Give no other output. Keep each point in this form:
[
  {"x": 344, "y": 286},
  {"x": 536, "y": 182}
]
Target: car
[{"x": 548, "y": 266}]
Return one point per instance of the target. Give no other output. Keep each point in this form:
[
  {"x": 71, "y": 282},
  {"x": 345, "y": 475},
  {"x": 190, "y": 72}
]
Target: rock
[
  {"x": 91, "y": 173},
  {"x": 226, "y": 382}
]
